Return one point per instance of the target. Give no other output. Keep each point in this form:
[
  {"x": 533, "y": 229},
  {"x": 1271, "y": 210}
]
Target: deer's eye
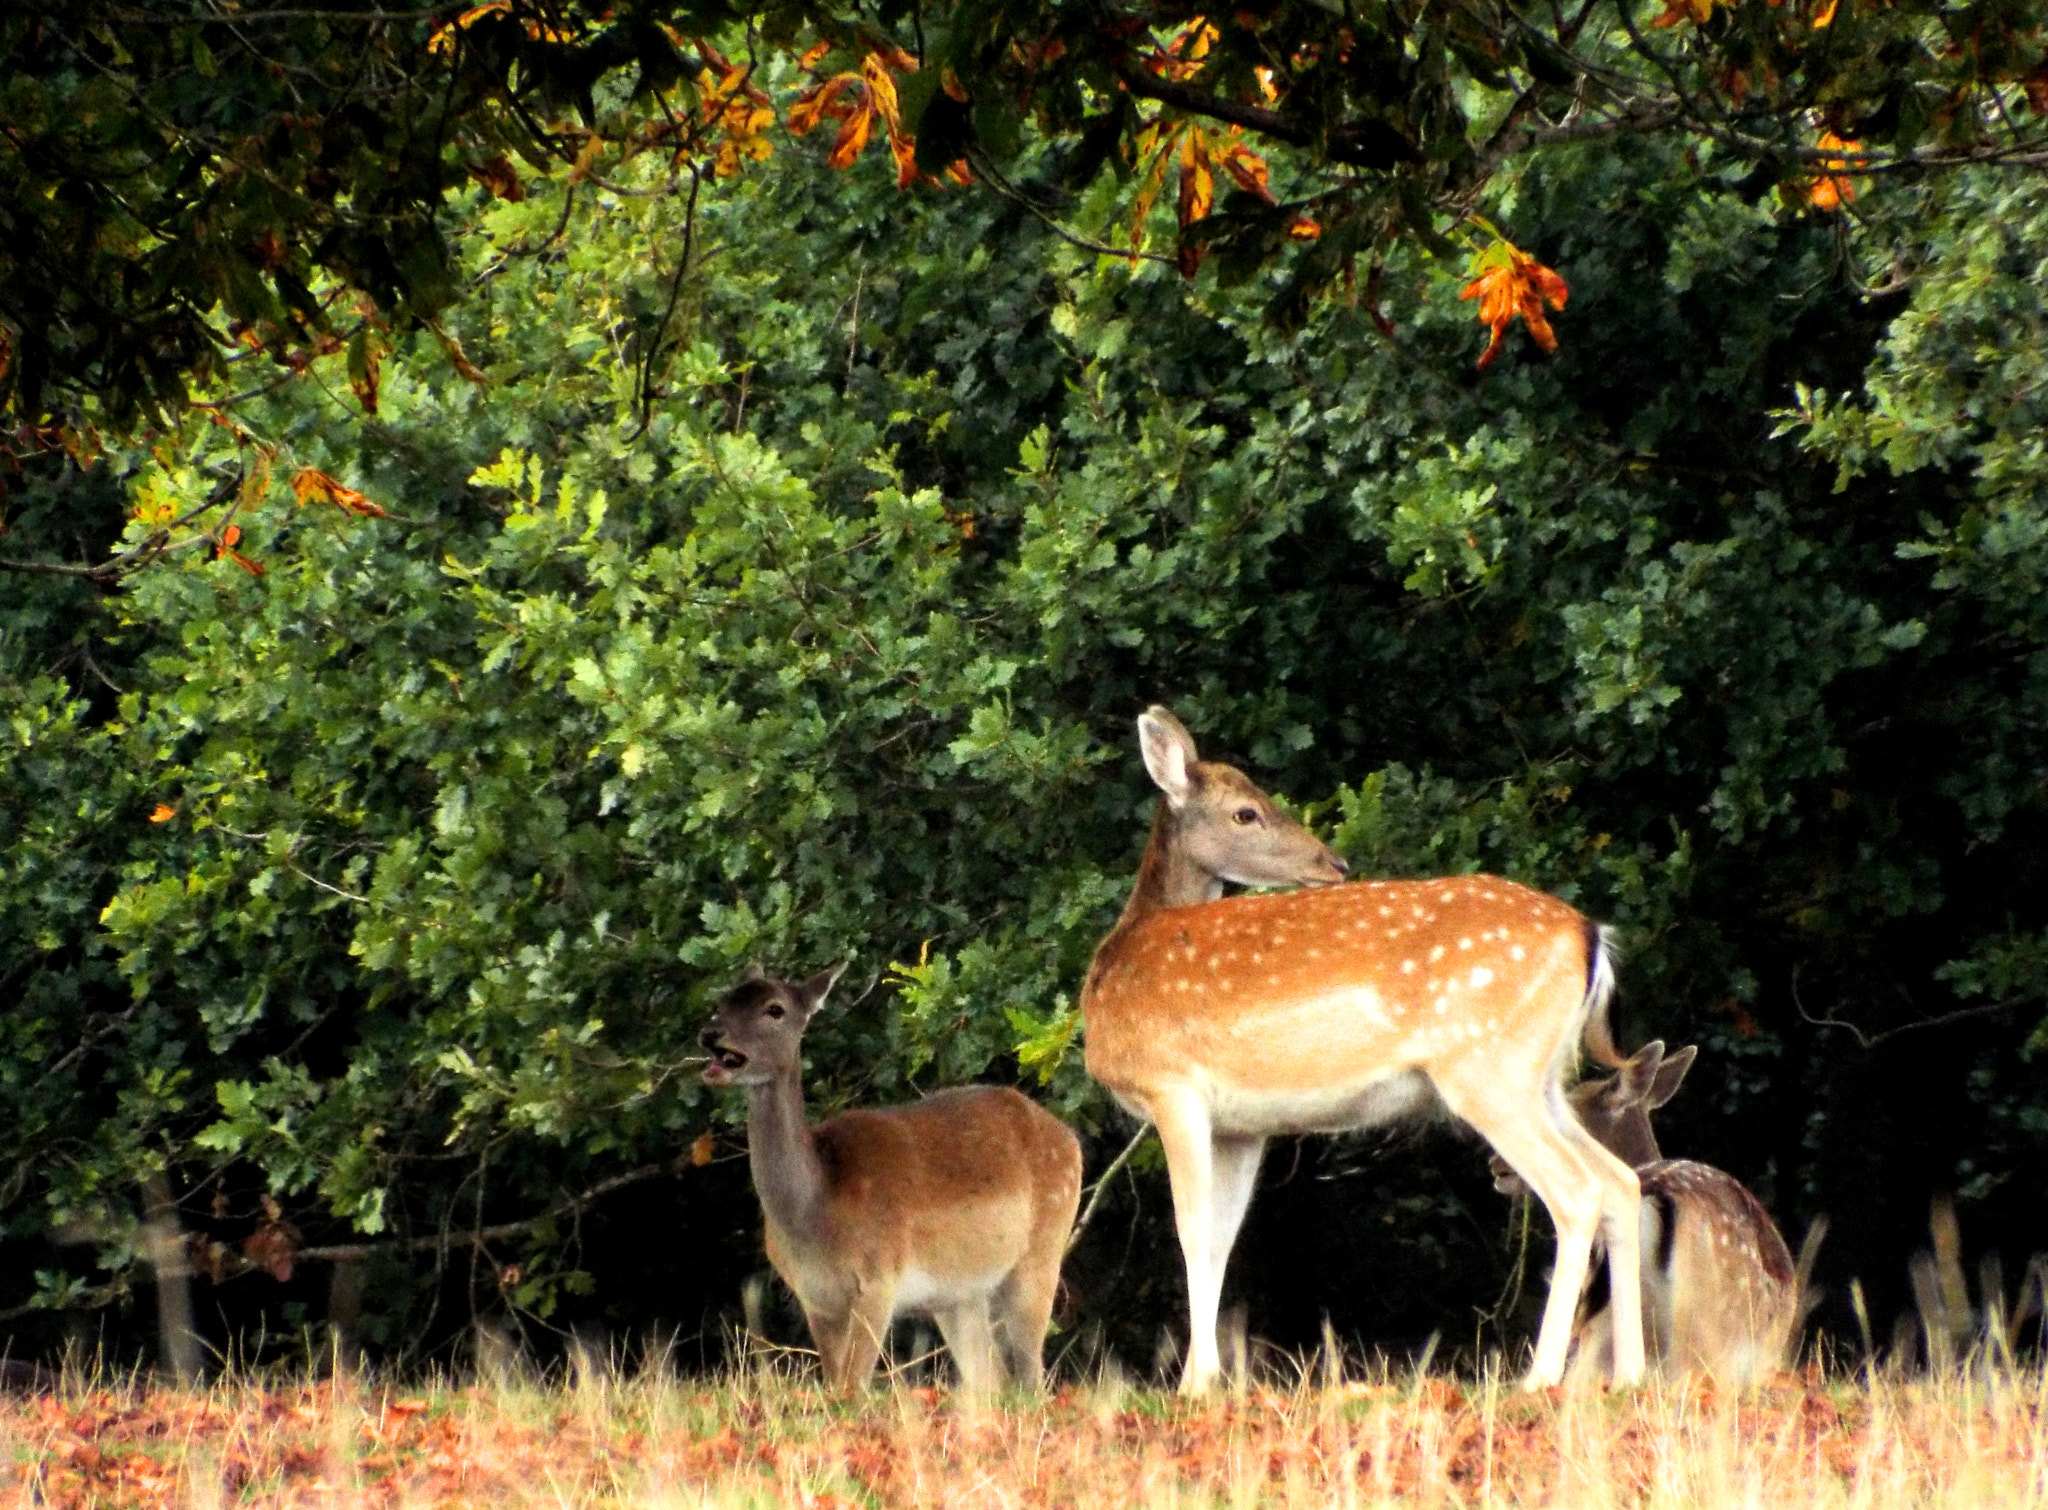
[
  {"x": 775, "y": 1009},
  {"x": 1245, "y": 816}
]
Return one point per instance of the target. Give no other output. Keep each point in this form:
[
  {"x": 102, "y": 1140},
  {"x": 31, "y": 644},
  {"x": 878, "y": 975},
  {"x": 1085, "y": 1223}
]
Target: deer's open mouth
[{"x": 725, "y": 1063}]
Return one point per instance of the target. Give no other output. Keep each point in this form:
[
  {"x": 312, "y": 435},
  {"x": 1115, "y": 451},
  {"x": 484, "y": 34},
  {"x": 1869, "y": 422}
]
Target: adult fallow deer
[
  {"x": 957, "y": 1206},
  {"x": 1720, "y": 1291},
  {"x": 1226, "y": 1021}
]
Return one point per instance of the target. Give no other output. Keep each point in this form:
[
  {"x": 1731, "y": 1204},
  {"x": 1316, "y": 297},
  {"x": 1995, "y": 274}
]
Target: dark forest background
[{"x": 358, "y": 914}]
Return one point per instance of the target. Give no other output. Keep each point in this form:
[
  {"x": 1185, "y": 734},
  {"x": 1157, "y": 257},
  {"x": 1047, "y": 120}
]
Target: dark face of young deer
[
  {"x": 755, "y": 1036},
  {"x": 1222, "y": 827},
  {"x": 1617, "y": 1110}
]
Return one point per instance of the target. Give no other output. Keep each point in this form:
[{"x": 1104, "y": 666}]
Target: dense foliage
[
  {"x": 185, "y": 179},
  {"x": 369, "y": 859}
]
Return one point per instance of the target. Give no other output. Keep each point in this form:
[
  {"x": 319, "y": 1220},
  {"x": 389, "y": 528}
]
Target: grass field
[{"x": 764, "y": 1438}]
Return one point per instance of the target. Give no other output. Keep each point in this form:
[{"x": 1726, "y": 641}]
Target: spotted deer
[
  {"x": 1720, "y": 1291},
  {"x": 1226, "y": 1021},
  {"x": 957, "y": 1206}
]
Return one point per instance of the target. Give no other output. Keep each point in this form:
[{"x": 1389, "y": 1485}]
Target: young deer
[
  {"x": 1226, "y": 1021},
  {"x": 1720, "y": 1291},
  {"x": 957, "y": 1206}
]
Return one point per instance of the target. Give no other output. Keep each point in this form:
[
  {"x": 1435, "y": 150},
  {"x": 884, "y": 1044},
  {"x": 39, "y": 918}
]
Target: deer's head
[
  {"x": 1616, "y": 1110},
  {"x": 1223, "y": 824},
  {"x": 755, "y": 1033}
]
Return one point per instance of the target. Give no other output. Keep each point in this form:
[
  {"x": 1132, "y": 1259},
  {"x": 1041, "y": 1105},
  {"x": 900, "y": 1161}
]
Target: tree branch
[
  {"x": 1368, "y": 144},
  {"x": 1102, "y": 1184},
  {"x": 474, "y": 1238},
  {"x": 992, "y": 176}
]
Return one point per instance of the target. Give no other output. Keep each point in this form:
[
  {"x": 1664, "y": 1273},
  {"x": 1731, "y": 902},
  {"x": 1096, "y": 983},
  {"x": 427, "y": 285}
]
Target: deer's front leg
[
  {"x": 867, "y": 1327},
  {"x": 828, "y": 1335},
  {"x": 1184, "y": 1133}
]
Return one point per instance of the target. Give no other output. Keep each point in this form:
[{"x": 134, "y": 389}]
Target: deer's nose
[{"x": 709, "y": 1037}]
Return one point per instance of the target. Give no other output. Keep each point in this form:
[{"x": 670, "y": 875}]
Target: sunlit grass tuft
[{"x": 768, "y": 1435}]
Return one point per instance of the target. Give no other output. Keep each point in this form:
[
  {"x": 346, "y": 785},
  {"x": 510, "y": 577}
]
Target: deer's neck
[
  {"x": 1166, "y": 876},
  {"x": 788, "y": 1174}
]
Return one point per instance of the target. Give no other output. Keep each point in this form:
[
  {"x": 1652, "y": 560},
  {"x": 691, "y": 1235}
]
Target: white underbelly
[
  {"x": 917, "y": 1290},
  {"x": 1266, "y": 1112}
]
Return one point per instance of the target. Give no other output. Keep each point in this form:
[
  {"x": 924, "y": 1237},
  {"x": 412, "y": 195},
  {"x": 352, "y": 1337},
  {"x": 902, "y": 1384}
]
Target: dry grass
[{"x": 765, "y": 1438}]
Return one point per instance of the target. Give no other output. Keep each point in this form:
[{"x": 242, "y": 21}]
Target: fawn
[
  {"x": 957, "y": 1206},
  {"x": 1720, "y": 1291}
]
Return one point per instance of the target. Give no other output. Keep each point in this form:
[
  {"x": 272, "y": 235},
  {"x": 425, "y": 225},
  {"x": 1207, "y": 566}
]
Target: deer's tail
[{"x": 1597, "y": 1034}]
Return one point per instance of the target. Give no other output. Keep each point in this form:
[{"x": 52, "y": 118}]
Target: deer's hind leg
[
  {"x": 970, "y": 1338},
  {"x": 1522, "y": 1116},
  {"x": 1022, "y": 1306},
  {"x": 1621, "y": 1224}
]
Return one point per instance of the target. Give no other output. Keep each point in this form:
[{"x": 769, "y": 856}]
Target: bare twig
[
  {"x": 1102, "y": 1184},
  {"x": 1865, "y": 1040},
  {"x": 992, "y": 176},
  {"x": 476, "y": 1237}
]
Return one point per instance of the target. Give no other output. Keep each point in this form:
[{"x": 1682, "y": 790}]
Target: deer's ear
[
  {"x": 1169, "y": 754},
  {"x": 752, "y": 973},
  {"x": 818, "y": 987},
  {"x": 1639, "y": 1076},
  {"x": 1671, "y": 1074}
]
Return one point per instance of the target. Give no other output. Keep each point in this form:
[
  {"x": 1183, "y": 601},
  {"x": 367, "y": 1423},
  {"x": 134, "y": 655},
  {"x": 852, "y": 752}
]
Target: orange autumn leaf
[
  {"x": 499, "y": 176},
  {"x": 1182, "y": 57},
  {"x": 1509, "y": 283},
  {"x": 1161, "y": 137},
  {"x": 311, "y": 485},
  {"x": 443, "y": 38},
  {"x": 1197, "y": 180},
  {"x": 739, "y": 109},
  {"x": 463, "y": 365},
  {"x": 1247, "y": 169},
  {"x": 273, "y": 1248},
  {"x": 1830, "y": 190},
  {"x": 904, "y": 150},
  {"x": 813, "y": 106},
  {"x": 1699, "y": 12},
  {"x": 853, "y": 138},
  {"x": 363, "y": 358},
  {"x": 586, "y": 158},
  {"x": 1305, "y": 229},
  {"x": 163, "y": 813},
  {"x": 702, "y": 1149},
  {"x": 882, "y": 88},
  {"x": 225, "y": 546},
  {"x": 857, "y": 100}
]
